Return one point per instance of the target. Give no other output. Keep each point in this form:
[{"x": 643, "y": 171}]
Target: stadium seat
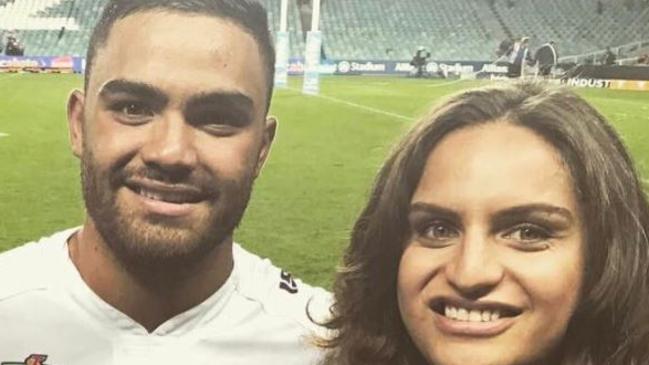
[{"x": 378, "y": 29}]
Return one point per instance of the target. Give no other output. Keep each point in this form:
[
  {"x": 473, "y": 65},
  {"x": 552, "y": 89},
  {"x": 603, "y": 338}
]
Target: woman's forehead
[{"x": 496, "y": 164}]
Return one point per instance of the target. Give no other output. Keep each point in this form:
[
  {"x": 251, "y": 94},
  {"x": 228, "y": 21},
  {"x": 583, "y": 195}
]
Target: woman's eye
[
  {"x": 438, "y": 231},
  {"x": 529, "y": 234}
]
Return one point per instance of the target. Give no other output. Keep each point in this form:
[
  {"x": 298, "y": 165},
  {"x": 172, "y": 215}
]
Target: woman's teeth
[{"x": 470, "y": 315}]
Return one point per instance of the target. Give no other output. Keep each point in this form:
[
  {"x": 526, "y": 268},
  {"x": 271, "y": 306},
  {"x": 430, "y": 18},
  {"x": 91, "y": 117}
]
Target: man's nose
[
  {"x": 475, "y": 269},
  {"x": 170, "y": 144}
]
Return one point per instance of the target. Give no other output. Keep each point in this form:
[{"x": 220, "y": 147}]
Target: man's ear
[
  {"x": 76, "y": 102},
  {"x": 270, "y": 128}
]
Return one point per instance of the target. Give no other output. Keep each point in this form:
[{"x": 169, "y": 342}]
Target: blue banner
[
  {"x": 380, "y": 67},
  {"x": 43, "y": 63}
]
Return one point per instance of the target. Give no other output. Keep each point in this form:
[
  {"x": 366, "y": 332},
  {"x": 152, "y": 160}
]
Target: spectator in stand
[
  {"x": 643, "y": 60},
  {"x": 14, "y": 48},
  {"x": 546, "y": 57},
  {"x": 609, "y": 57},
  {"x": 505, "y": 48}
]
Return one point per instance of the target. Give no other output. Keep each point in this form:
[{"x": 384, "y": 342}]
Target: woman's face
[{"x": 492, "y": 271}]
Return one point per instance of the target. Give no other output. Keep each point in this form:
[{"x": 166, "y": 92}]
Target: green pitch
[{"x": 327, "y": 151}]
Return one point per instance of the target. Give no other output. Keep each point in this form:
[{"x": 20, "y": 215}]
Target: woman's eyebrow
[
  {"x": 433, "y": 209},
  {"x": 537, "y": 209}
]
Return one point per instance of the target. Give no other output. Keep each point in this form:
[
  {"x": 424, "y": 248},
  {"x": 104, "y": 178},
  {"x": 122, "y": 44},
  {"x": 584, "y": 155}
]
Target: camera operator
[
  {"x": 14, "y": 48},
  {"x": 419, "y": 61}
]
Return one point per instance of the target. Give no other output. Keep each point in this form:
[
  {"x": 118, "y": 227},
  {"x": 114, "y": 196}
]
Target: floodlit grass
[{"x": 325, "y": 157}]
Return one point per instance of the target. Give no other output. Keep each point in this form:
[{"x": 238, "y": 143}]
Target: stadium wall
[
  {"x": 382, "y": 67},
  {"x": 61, "y": 64},
  {"x": 452, "y": 69}
]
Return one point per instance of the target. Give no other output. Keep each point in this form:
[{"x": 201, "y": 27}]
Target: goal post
[
  {"x": 311, "y": 83},
  {"x": 282, "y": 48}
]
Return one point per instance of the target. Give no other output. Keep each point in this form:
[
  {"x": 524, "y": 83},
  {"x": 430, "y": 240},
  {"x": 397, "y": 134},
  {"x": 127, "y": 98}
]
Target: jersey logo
[
  {"x": 33, "y": 359},
  {"x": 287, "y": 283}
]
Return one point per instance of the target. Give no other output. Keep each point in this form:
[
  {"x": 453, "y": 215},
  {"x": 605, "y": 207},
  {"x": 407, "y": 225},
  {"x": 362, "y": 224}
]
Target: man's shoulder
[
  {"x": 30, "y": 266},
  {"x": 278, "y": 292}
]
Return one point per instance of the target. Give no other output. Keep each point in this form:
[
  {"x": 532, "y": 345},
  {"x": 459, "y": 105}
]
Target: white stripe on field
[
  {"x": 446, "y": 83},
  {"x": 358, "y": 106},
  {"x": 3, "y": 135},
  {"x": 8, "y": 75}
]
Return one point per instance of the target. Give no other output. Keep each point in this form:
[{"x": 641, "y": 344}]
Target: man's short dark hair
[{"x": 249, "y": 14}]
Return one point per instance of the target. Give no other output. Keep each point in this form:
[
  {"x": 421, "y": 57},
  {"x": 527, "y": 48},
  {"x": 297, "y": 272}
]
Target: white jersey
[{"x": 49, "y": 316}]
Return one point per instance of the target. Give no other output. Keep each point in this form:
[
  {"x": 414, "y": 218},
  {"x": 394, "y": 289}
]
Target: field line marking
[
  {"x": 8, "y": 76},
  {"x": 446, "y": 83},
  {"x": 355, "y": 105},
  {"x": 3, "y": 135}
]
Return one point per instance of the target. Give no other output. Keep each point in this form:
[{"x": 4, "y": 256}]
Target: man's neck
[{"x": 149, "y": 305}]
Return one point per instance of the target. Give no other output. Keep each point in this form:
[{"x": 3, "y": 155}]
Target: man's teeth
[
  {"x": 471, "y": 315},
  {"x": 151, "y": 195},
  {"x": 165, "y": 197}
]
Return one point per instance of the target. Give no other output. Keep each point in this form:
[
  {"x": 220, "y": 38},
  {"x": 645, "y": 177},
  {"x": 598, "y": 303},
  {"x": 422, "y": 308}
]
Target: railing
[{"x": 595, "y": 56}]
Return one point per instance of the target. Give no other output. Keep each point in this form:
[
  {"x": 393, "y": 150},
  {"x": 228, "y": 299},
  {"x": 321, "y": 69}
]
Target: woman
[{"x": 508, "y": 227}]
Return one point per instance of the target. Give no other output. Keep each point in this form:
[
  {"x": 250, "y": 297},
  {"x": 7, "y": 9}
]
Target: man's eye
[
  {"x": 220, "y": 130},
  {"x": 135, "y": 109},
  {"x": 132, "y": 111}
]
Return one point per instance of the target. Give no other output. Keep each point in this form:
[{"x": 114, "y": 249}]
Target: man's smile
[{"x": 166, "y": 199}]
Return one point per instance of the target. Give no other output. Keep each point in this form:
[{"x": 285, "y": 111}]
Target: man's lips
[
  {"x": 162, "y": 199},
  {"x": 169, "y": 193}
]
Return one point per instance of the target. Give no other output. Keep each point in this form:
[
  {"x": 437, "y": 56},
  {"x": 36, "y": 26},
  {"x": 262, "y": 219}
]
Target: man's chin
[{"x": 148, "y": 245}]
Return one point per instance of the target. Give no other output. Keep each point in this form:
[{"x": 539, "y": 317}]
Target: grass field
[{"x": 320, "y": 170}]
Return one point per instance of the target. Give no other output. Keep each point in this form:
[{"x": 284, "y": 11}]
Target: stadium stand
[
  {"x": 380, "y": 29},
  {"x": 574, "y": 25},
  {"x": 85, "y": 13}
]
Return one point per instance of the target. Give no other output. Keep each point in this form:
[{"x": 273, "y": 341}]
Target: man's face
[{"x": 171, "y": 135}]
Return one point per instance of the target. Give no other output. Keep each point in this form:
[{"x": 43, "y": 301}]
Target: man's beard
[{"x": 158, "y": 249}]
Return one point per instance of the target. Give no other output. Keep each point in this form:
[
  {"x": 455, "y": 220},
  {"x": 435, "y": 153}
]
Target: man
[
  {"x": 13, "y": 47},
  {"x": 546, "y": 57},
  {"x": 519, "y": 57},
  {"x": 419, "y": 61},
  {"x": 609, "y": 57},
  {"x": 171, "y": 131}
]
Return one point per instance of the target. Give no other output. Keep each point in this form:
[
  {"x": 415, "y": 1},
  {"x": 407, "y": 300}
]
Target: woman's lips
[{"x": 460, "y": 317}]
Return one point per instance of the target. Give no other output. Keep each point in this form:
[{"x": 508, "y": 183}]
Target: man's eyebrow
[
  {"x": 534, "y": 209},
  {"x": 236, "y": 106},
  {"x": 136, "y": 88},
  {"x": 225, "y": 99}
]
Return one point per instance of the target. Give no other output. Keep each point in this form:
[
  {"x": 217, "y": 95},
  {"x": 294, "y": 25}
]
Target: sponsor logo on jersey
[
  {"x": 33, "y": 359},
  {"x": 286, "y": 282}
]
